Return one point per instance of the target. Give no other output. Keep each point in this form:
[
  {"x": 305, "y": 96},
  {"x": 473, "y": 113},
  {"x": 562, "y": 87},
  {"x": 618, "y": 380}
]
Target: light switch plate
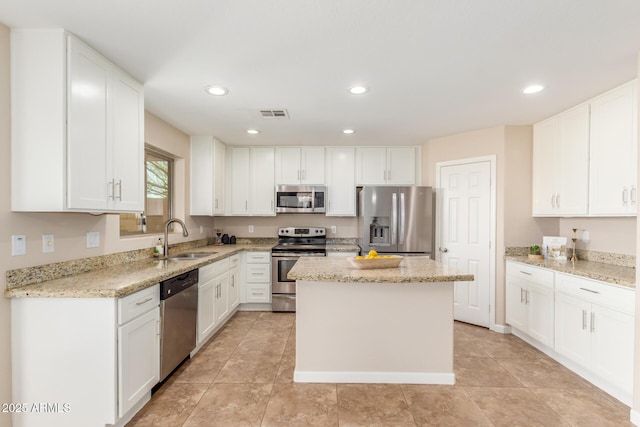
[
  {"x": 93, "y": 239},
  {"x": 18, "y": 244},
  {"x": 251, "y": 229},
  {"x": 334, "y": 229},
  {"x": 48, "y": 244}
]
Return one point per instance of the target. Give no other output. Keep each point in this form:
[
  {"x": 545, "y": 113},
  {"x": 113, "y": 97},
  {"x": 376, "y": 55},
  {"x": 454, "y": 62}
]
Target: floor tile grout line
[{"x": 465, "y": 388}]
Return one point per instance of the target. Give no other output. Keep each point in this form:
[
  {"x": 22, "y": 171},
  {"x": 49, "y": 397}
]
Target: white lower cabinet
[
  {"x": 257, "y": 278},
  {"x": 594, "y": 328},
  {"x": 222, "y": 296},
  {"x": 138, "y": 356},
  {"x": 530, "y": 304},
  {"x": 206, "y": 308},
  {"x": 585, "y": 324},
  {"x": 99, "y": 357},
  {"x": 234, "y": 282}
]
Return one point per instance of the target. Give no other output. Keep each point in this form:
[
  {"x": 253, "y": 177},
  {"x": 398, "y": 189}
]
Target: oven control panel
[{"x": 302, "y": 231}]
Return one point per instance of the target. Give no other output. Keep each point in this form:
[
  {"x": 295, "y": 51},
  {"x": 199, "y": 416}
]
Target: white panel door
[
  {"x": 287, "y": 164},
  {"x": 573, "y": 161},
  {"x": 312, "y": 166},
  {"x": 539, "y": 302},
  {"x": 371, "y": 165},
  {"x": 545, "y": 165},
  {"x": 262, "y": 181},
  {"x": 206, "y": 309},
  {"x": 401, "y": 166},
  {"x": 612, "y": 345},
  {"x": 341, "y": 186},
  {"x": 240, "y": 183},
  {"x": 90, "y": 184},
  {"x": 572, "y": 328},
  {"x": 466, "y": 236},
  {"x": 128, "y": 144}
]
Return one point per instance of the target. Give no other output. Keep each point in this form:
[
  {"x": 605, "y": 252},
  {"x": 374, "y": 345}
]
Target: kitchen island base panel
[{"x": 374, "y": 332}]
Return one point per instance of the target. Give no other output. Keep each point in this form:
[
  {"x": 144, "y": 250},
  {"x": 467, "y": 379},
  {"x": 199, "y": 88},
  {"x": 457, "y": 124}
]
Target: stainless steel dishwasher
[{"x": 178, "y": 317}]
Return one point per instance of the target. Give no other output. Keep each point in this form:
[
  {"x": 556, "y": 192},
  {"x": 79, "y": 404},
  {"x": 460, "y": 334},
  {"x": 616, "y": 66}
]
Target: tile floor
[{"x": 243, "y": 377}]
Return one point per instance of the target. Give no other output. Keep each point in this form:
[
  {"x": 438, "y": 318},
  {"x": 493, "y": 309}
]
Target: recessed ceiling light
[
  {"x": 253, "y": 131},
  {"x": 348, "y": 131},
  {"x": 216, "y": 90},
  {"x": 532, "y": 89},
  {"x": 358, "y": 90}
]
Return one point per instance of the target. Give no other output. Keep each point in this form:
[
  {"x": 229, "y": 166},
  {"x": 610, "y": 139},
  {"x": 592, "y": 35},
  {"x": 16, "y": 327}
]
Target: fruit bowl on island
[{"x": 374, "y": 261}]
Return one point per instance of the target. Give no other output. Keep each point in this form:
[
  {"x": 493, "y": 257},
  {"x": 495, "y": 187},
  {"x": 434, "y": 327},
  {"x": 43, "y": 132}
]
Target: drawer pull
[
  {"x": 525, "y": 272},
  {"x": 589, "y": 290},
  {"x": 145, "y": 301},
  {"x": 593, "y": 322},
  {"x": 584, "y": 319}
]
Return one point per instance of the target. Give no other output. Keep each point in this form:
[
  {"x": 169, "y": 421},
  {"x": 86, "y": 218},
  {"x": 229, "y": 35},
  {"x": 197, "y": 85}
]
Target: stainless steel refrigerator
[{"x": 396, "y": 220}]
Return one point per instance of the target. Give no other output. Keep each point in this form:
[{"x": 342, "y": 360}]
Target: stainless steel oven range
[{"x": 293, "y": 243}]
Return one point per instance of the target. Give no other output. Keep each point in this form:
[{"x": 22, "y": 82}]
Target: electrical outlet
[
  {"x": 251, "y": 229},
  {"x": 201, "y": 229},
  {"x": 47, "y": 243},
  {"x": 18, "y": 244},
  {"x": 334, "y": 229},
  {"x": 93, "y": 239}
]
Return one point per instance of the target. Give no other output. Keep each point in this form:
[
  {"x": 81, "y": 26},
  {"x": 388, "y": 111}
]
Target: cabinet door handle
[
  {"x": 216, "y": 203},
  {"x": 589, "y": 290},
  {"x": 119, "y": 185},
  {"x": 553, "y": 200},
  {"x": 593, "y": 321},
  {"x": 526, "y": 297},
  {"x": 633, "y": 194},
  {"x": 298, "y": 175},
  {"x": 526, "y": 272},
  {"x": 246, "y": 205},
  {"x": 521, "y": 297},
  {"x": 145, "y": 301},
  {"x": 584, "y": 319},
  {"x": 557, "y": 200},
  {"x": 111, "y": 191},
  {"x": 625, "y": 195}
]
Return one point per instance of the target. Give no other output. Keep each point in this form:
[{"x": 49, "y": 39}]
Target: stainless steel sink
[{"x": 190, "y": 256}]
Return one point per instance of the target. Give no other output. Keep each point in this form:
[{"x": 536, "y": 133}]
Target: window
[{"x": 157, "y": 207}]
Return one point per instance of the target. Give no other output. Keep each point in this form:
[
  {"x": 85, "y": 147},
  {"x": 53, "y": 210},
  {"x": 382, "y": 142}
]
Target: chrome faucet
[{"x": 185, "y": 233}]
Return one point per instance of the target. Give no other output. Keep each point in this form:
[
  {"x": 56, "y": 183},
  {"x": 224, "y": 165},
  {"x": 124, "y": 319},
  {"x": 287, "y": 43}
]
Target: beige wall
[
  {"x": 346, "y": 227},
  {"x": 70, "y": 229},
  {"x": 512, "y": 147},
  {"x": 605, "y": 234}
]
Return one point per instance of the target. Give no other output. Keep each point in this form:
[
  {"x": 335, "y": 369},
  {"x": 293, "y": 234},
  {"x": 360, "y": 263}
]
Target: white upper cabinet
[
  {"x": 238, "y": 183},
  {"x": 385, "y": 166},
  {"x": 262, "y": 181},
  {"x": 585, "y": 159},
  {"x": 299, "y": 165},
  {"x": 341, "y": 186},
  {"x": 614, "y": 147},
  {"x": 251, "y": 181},
  {"x": 561, "y": 164},
  {"x": 77, "y": 120},
  {"x": 207, "y": 176}
]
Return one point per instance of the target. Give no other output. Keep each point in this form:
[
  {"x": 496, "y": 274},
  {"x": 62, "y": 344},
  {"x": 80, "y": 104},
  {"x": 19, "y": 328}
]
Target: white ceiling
[{"x": 435, "y": 67}]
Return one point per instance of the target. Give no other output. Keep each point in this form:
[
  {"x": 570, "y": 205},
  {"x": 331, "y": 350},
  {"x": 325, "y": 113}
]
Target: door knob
[{"x": 444, "y": 251}]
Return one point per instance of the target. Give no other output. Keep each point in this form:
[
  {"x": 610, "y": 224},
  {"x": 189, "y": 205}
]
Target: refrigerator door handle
[
  {"x": 394, "y": 218},
  {"x": 402, "y": 219}
]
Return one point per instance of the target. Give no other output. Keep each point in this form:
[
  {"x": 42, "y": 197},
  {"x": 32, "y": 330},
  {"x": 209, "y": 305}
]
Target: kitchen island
[{"x": 390, "y": 325}]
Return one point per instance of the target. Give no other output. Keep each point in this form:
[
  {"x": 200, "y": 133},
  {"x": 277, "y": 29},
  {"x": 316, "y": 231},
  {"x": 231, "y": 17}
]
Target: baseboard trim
[
  {"x": 634, "y": 417},
  {"x": 374, "y": 377},
  {"x": 503, "y": 329}
]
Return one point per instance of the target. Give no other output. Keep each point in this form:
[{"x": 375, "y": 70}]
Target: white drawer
[
  {"x": 234, "y": 261},
  {"x": 533, "y": 274},
  {"x": 258, "y": 273},
  {"x": 212, "y": 270},
  {"x": 258, "y": 257},
  {"x": 258, "y": 292},
  {"x": 138, "y": 303},
  {"x": 593, "y": 291}
]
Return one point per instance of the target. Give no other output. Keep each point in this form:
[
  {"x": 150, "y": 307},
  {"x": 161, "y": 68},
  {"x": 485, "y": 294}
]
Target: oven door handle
[
  {"x": 291, "y": 256},
  {"x": 285, "y": 258}
]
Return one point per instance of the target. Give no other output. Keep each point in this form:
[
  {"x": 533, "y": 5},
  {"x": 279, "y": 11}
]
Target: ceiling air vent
[{"x": 274, "y": 114}]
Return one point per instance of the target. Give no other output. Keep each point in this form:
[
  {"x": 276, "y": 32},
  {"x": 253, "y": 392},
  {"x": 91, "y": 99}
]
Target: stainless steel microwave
[{"x": 300, "y": 199}]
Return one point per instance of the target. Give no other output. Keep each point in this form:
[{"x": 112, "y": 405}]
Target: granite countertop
[
  {"x": 609, "y": 273},
  {"x": 411, "y": 270},
  {"x": 126, "y": 278},
  {"x": 342, "y": 248}
]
